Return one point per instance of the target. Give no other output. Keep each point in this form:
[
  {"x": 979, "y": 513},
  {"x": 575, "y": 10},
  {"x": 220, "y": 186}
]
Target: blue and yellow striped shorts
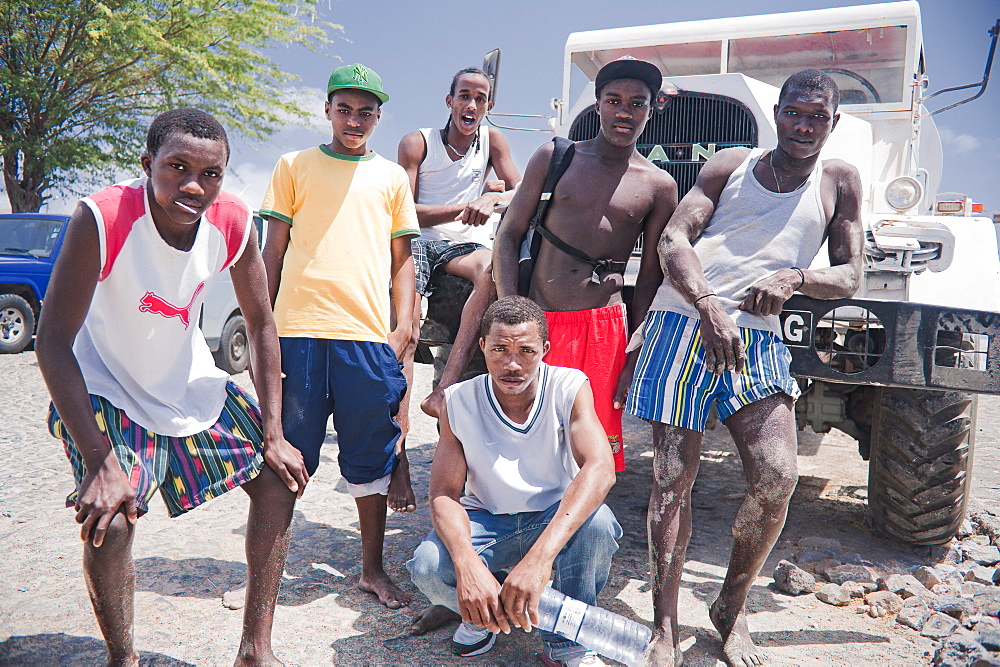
[
  {"x": 187, "y": 470},
  {"x": 672, "y": 384}
]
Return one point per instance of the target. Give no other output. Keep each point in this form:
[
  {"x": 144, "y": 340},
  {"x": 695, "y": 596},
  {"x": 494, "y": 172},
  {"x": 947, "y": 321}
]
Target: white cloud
[
  {"x": 249, "y": 181},
  {"x": 959, "y": 143},
  {"x": 310, "y": 99}
]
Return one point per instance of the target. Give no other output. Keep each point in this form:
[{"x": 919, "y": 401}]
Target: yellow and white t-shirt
[{"x": 343, "y": 210}]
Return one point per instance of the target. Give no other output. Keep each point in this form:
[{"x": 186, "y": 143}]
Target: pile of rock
[{"x": 956, "y": 599}]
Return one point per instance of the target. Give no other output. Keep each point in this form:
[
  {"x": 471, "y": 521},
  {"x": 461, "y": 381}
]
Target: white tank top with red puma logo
[{"x": 140, "y": 346}]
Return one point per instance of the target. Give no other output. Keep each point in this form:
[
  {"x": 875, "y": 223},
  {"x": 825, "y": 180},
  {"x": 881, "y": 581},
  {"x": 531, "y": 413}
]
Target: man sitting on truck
[
  {"x": 518, "y": 483},
  {"x": 734, "y": 252},
  {"x": 608, "y": 197}
]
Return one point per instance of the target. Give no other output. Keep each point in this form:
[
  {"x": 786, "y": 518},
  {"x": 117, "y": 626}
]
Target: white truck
[{"x": 897, "y": 367}]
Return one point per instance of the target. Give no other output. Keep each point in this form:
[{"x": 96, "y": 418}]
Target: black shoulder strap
[{"x": 562, "y": 155}]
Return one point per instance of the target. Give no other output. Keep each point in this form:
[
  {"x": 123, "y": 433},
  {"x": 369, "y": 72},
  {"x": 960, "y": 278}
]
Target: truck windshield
[
  {"x": 867, "y": 64},
  {"x": 33, "y": 237}
]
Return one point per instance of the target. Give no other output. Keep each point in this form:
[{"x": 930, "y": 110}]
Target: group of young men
[{"x": 528, "y": 451}]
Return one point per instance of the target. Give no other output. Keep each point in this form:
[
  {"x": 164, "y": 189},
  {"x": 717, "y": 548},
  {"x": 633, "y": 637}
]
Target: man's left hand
[
  {"x": 287, "y": 462},
  {"x": 399, "y": 338},
  {"x": 625, "y": 379},
  {"x": 520, "y": 593},
  {"x": 768, "y": 295}
]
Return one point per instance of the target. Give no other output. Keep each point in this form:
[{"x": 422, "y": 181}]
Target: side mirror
[{"x": 491, "y": 65}]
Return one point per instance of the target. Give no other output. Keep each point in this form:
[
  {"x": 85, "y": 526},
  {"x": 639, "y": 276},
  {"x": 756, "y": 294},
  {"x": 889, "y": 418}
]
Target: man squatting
[{"x": 733, "y": 253}]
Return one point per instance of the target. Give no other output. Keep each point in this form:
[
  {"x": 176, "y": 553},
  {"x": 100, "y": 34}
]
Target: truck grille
[{"x": 688, "y": 120}]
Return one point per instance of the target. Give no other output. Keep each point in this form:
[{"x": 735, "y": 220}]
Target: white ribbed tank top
[{"x": 443, "y": 182}]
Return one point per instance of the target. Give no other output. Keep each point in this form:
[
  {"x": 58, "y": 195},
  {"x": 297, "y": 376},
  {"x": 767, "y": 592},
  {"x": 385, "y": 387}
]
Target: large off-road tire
[
  {"x": 919, "y": 475},
  {"x": 234, "y": 349},
  {"x": 17, "y": 324}
]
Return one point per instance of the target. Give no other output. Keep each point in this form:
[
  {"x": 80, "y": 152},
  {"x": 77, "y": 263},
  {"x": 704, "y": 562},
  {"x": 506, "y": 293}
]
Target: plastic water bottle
[{"x": 597, "y": 629}]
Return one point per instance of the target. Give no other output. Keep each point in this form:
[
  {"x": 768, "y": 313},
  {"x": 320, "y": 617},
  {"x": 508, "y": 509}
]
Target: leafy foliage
[{"x": 81, "y": 79}]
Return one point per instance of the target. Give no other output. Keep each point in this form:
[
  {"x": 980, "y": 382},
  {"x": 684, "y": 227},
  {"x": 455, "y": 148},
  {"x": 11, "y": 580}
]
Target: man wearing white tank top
[
  {"x": 733, "y": 252},
  {"x": 448, "y": 171},
  {"x": 517, "y": 484}
]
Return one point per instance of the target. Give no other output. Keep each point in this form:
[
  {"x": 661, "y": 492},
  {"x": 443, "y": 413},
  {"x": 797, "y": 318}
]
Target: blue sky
[{"x": 417, "y": 46}]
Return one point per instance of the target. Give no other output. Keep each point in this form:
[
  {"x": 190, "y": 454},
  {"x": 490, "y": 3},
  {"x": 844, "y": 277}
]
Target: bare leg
[
  {"x": 676, "y": 456},
  {"x": 431, "y": 618},
  {"x": 110, "y": 576},
  {"x": 475, "y": 267},
  {"x": 764, "y": 433},
  {"x": 371, "y": 516},
  {"x": 268, "y": 532},
  {"x": 401, "y": 497}
]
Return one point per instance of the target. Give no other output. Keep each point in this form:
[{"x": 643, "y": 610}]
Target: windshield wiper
[{"x": 19, "y": 251}]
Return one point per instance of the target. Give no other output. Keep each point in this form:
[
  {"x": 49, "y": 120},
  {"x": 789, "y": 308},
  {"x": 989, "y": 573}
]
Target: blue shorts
[
  {"x": 361, "y": 385},
  {"x": 672, "y": 384}
]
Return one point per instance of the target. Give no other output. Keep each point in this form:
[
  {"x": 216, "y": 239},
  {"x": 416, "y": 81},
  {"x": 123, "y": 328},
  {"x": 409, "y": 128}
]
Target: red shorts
[{"x": 593, "y": 341}]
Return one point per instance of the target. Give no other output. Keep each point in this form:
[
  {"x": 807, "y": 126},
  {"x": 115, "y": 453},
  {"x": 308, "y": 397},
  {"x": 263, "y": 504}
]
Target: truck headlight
[{"x": 903, "y": 193}]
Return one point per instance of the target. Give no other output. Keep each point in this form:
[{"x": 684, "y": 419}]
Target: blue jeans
[{"x": 502, "y": 540}]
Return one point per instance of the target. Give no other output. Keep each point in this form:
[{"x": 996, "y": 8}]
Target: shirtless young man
[
  {"x": 733, "y": 253},
  {"x": 608, "y": 197},
  {"x": 448, "y": 171}
]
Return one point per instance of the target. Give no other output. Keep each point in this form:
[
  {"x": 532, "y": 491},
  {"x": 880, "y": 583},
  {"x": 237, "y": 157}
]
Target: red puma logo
[{"x": 151, "y": 303}]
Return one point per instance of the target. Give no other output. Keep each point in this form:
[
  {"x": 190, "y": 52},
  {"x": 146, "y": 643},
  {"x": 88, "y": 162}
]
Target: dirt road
[{"x": 185, "y": 564}]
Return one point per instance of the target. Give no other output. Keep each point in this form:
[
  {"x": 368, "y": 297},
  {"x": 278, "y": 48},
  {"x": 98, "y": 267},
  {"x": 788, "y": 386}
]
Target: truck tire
[
  {"x": 234, "y": 351},
  {"x": 17, "y": 324},
  {"x": 919, "y": 475}
]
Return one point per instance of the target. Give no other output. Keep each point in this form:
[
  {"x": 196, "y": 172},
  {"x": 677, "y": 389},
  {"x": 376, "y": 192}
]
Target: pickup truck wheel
[
  {"x": 17, "y": 324},
  {"x": 919, "y": 475},
  {"x": 234, "y": 350}
]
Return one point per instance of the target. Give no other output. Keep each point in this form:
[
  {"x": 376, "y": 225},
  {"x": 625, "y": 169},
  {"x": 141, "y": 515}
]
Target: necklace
[
  {"x": 770, "y": 163},
  {"x": 444, "y": 137}
]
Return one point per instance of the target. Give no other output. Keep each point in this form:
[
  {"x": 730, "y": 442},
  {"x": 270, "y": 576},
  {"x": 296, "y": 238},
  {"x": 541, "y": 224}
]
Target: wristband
[
  {"x": 802, "y": 278},
  {"x": 703, "y": 296}
]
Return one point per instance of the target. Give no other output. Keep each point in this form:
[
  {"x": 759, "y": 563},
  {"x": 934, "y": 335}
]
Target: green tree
[{"x": 80, "y": 79}]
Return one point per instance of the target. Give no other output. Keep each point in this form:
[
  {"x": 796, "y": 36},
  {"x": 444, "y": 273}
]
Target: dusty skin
[{"x": 184, "y": 565}]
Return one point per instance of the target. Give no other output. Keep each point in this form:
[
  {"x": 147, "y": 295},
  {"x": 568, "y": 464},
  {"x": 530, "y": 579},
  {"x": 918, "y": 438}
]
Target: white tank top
[
  {"x": 515, "y": 467},
  {"x": 140, "y": 345},
  {"x": 443, "y": 182},
  {"x": 753, "y": 233}
]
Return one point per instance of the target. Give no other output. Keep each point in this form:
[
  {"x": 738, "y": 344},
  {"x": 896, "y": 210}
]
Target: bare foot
[
  {"x": 433, "y": 403},
  {"x": 662, "y": 651},
  {"x": 738, "y": 649},
  {"x": 250, "y": 658},
  {"x": 388, "y": 593},
  {"x": 234, "y": 599},
  {"x": 431, "y": 618},
  {"x": 401, "y": 498},
  {"x": 131, "y": 661}
]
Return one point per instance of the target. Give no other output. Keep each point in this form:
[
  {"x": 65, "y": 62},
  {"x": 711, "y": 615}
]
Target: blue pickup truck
[{"x": 29, "y": 245}]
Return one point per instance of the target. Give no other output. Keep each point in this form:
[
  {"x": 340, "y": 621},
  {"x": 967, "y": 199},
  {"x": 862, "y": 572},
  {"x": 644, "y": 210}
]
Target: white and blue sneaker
[{"x": 470, "y": 640}]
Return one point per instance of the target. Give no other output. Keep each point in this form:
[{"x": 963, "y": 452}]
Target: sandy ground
[{"x": 185, "y": 564}]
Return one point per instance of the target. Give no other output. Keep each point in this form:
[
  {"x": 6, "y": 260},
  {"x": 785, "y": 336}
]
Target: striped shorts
[
  {"x": 187, "y": 470},
  {"x": 672, "y": 384}
]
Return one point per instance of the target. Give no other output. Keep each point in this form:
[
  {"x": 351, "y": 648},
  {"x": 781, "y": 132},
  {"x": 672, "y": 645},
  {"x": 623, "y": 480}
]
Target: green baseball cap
[{"x": 359, "y": 77}]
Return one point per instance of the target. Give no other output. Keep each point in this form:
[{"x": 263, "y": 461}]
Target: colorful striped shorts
[
  {"x": 672, "y": 384},
  {"x": 186, "y": 470}
]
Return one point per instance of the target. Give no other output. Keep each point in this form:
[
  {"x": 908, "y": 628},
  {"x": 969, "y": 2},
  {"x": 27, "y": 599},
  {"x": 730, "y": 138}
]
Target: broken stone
[
  {"x": 990, "y": 639},
  {"x": 960, "y": 649},
  {"x": 956, "y": 607},
  {"x": 939, "y": 625},
  {"x": 965, "y": 529},
  {"x": 883, "y": 603},
  {"x": 947, "y": 590},
  {"x": 978, "y": 539},
  {"x": 987, "y": 601},
  {"x": 793, "y": 580},
  {"x": 820, "y": 544},
  {"x": 982, "y": 554},
  {"x": 903, "y": 585},
  {"x": 988, "y": 624},
  {"x": 833, "y": 594},
  {"x": 913, "y": 617},
  {"x": 981, "y": 575},
  {"x": 842, "y": 573},
  {"x": 964, "y": 567},
  {"x": 811, "y": 556},
  {"x": 946, "y": 553},
  {"x": 970, "y": 588},
  {"x": 857, "y": 589},
  {"x": 989, "y": 661},
  {"x": 996, "y": 576},
  {"x": 927, "y": 576}
]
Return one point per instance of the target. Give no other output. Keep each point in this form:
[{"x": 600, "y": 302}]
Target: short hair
[
  {"x": 468, "y": 70},
  {"x": 811, "y": 80},
  {"x": 514, "y": 310},
  {"x": 189, "y": 120}
]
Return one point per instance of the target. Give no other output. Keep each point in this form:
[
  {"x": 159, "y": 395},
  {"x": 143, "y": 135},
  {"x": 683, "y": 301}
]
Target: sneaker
[
  {"x": 588, "y": 659},
  {"x": 470, "y": 640}
]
